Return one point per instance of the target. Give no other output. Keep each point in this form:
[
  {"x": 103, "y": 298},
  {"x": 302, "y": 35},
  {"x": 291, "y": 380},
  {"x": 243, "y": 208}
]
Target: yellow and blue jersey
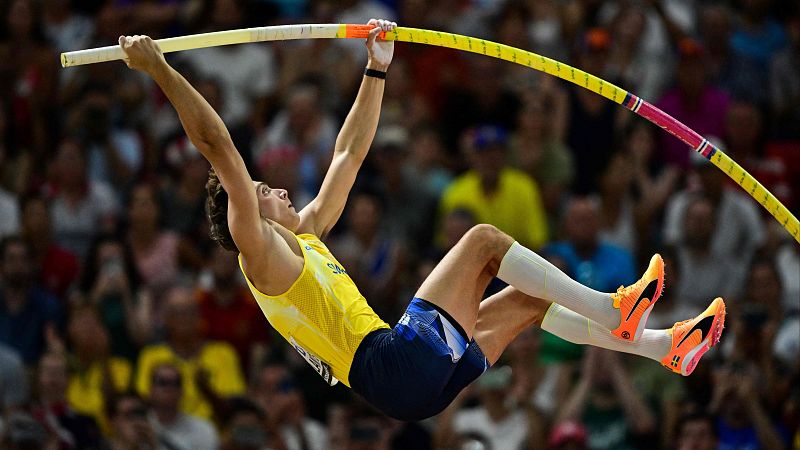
[{"x": 323, "y": 315}]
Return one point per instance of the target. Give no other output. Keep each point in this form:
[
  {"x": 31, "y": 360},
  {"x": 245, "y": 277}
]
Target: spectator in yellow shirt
[
  {"x": 496, "y": 193},
  {"x": 95, "y": 374},
  {"x": 210, "y": 369}
]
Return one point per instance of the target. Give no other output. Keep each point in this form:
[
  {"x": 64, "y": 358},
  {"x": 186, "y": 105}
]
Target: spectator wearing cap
[
  {"x": 693, "y": 101},
  {"x": 592, "y": 119},
  {"x": 496, "y": 193},
  {"x": 171, "y": 426}
]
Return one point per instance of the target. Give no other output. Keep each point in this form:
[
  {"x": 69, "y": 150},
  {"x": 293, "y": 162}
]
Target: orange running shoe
[
  {"x": 636, "y": 301},
  {"x": 692, "y": 338}
]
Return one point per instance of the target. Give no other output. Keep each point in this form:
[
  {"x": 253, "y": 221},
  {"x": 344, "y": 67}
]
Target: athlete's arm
[
  {"x": 208, "y": 133},
  {"x": 353, "y": 141}
]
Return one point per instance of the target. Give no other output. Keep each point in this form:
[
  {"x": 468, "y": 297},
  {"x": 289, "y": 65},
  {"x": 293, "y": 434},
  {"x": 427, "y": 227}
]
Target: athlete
[{"x": 448, "y": 336}]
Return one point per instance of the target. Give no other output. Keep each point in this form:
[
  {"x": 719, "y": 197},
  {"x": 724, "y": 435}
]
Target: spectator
[
  {"x": 172, "y": 427},
  {"x": 114, "y": 154},
  {"x": 758, "y": 35},
  {"x": 738, "y": 405},
  {"x": 496, "y": 193},
  {"x": 603, "y": 399},
  {"x": 210, "y": 370},
  {"x": 245, "y": 428},
  {"x": 589, "y": 259},
  {"x": 501, "y": 424},
  {"x": 696, "y": 431},
  {"x": 425, "y": 166},
  {"x": 97, "y": 376},
  {"x": 373, "y": 257},
  {"x": 738, "y": 229},
  {"x": 785, "y": 84},
  {"x": 9, "y": 210},
  {"x": 66, "y": 29},
  {"x": 307, "y": 131},
  {"x": 538, "y": 146},
  {"x": 407, "y": 209},
  {"x": 13, "y": 380},
  {"x": 79, "y": 207},
  {"x": 52, "y": 410},
  {"x": 111, "y": 283},
  {"x": 228, "y": 310},
  {"x": 248, "y": 73},
  {"x": 693, "y": 101},
  {"x": 28, "y": 66},
  {"x": 711, "y": 274},
  {"x": 57, "y": 268},
  {"x": 26, "y": 309},
  {"x": 593, "y": 121},
  {"x": 155, "y": 249},
  {"x": 129, "y": 425}
]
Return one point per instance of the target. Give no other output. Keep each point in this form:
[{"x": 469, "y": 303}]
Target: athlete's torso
[{"x": 322, "y": 314}]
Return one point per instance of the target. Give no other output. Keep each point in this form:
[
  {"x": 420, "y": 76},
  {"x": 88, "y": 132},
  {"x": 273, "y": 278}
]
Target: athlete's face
[{"x": 274, "y": 204}]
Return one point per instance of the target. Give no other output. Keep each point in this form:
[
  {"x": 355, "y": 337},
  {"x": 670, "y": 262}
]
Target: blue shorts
[{"x": 416, "y": 369}]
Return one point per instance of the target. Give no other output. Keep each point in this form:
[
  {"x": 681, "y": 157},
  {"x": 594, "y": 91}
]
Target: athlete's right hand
[{"x": 141, "y": 53}]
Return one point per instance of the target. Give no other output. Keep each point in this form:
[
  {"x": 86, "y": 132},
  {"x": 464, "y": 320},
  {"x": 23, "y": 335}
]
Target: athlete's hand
[
  {"x": 380, "y": 51},
  {"x": 142, "y": 53}
]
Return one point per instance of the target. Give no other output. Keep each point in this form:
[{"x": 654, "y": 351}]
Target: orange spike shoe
[
  {"x": 637, "y": 300},
  {"x": 691, "y": 339}
]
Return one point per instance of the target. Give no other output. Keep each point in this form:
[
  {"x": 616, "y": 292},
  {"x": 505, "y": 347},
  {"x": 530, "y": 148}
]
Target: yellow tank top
[{"x": 322, "y": 314}]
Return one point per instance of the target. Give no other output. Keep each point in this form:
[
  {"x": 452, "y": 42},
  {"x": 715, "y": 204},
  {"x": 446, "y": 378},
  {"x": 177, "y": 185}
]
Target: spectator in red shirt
[
  {"x": 228, "y": 310},
  {"x": 57, "y": 267}
]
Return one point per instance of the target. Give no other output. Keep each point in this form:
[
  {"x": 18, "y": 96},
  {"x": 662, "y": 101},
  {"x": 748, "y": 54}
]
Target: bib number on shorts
[{"x": 322, "y": 368}]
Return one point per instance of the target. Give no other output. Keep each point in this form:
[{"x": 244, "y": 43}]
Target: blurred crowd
[{"x": 123, "y": 327}]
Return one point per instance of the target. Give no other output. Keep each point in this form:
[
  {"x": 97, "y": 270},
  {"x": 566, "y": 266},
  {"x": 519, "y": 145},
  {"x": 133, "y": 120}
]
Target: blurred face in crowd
[
  {"x": 764, "y": 287},
  {"x": 53, "y": 377},
  {"x": 129, "y": 420},
  {"x": 525, "y": 345},
  {"x": 743, "y": 126},
  {"x": 274, "y": 204},
  {"x": 365, "y": 216},
  {"x": 582, "y": 222},
  {"x": 716, "y": 26},
  {"x": 488, "y": 162},
  {"x": 96, "y": 116},
  {"x": 303, "y": 107},
  {"x": 426, "y": 148},
  {"x": 87, "y": 333},
  {"x": 143, "y": 211},
  {"x": 698, "y": 223},
  {"x": 629, "y": 27},
  {"x": 697, "y": 435},
  {"x": 691, "y": 76},
  {"x": 166, "y": 388},
  {"x": 641, "y": 143},
  {"x": 182, "y": 316},
  {"x": 16, "y": 264},
  {"x": 69, "y": 166},
  {"x": 35, "y": 219}
]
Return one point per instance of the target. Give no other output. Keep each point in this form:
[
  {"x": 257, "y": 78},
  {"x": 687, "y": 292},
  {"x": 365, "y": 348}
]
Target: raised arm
[
  {"x": 353, "y": 141},
  {"x": 208, "y": 133}
]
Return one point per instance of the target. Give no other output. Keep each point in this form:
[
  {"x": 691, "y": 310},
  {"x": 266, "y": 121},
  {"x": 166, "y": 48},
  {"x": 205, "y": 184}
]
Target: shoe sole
[{"x": 694, "y": 355}]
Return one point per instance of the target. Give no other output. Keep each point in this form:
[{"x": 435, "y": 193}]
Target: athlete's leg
[
  {"x": 458, "y": 282},
  {"x": 503, "y": 316}
]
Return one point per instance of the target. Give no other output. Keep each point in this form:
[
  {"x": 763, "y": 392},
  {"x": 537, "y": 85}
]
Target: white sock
[
  {"x": 535, "y": 276},
  {"x": 573, "y": 327}
]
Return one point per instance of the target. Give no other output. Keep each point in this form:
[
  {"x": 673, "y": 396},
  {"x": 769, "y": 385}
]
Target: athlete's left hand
[{"x": 380, "y": 51}]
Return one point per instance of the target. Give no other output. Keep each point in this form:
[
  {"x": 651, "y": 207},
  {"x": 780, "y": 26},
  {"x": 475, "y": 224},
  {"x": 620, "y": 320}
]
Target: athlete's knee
[{"x": 487, "y": 241}]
